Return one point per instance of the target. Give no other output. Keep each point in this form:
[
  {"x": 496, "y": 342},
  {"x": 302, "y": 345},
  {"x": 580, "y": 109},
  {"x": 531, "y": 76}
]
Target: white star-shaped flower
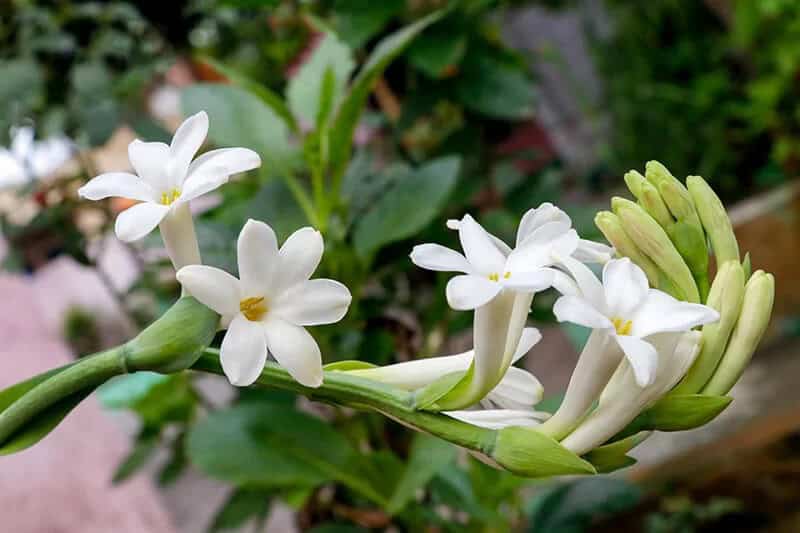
[{"x": 267, "y": 308}]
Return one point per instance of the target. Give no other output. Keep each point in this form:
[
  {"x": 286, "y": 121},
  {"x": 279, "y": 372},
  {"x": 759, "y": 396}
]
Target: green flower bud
[
  {"x": 610, "y": 226},
  {"x": 759, "y": 295},
  {"x": 653, "y": 203},
  {"x": 715, "y": 220},
  {"x": 527, "y": 452},
  {"x": 690, "y": 241},
  {"x": 634, "y": 181},
  {"x": 747, "y": 266},
  {"x": 651, "y": 238},
  {"x": 679, "y": 201},
  {"x": 726, "y": 296}
]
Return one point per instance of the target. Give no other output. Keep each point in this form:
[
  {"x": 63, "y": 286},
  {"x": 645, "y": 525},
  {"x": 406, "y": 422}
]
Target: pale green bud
[
  {"x": 726, "y": 296},
  {"x": 527, "y": 452},
  {"x": 747, "y": 266},
  {"x": 651, "y": 238},
  {"x": 715, "y": 220},
  {"x": 759, "y": 295},
  {"x": 610, "y": 226},
  {"x": 634, "y": 181},
  {"x": 652, "y": 202},
  {"x": 679, "y": 202},
  {"x": 690, "y": 241}
]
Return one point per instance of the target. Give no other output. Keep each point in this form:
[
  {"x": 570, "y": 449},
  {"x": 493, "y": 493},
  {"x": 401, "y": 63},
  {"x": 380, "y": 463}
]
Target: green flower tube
[
  {"x": 715, "y": 220},
  {"x": 610, "y": 226}
]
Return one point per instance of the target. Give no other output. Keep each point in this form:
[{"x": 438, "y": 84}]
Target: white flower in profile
[
  {"x": 267, "y": 308},
  {"x": 166, "y": 177},
  {"x": 628, "y": 311}
]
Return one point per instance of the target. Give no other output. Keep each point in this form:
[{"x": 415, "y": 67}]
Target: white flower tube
[
  {"x": 166, "y": 180},
  {"x": 623, "y": 399},
  {"x": 623, "y": 313}
]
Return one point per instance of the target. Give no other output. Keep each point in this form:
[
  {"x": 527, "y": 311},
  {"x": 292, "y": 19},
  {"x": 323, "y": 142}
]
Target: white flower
[
  {"x": 267, "y": 307},
  {"x": 27, "y": 159},
  {"x": 519, "y": 389},
  {"x": 623, "y": 399},
  {"x": 166, "y": 177},
  {"x": 628, "y": 311},
  {"x": 499, "y": 418}
]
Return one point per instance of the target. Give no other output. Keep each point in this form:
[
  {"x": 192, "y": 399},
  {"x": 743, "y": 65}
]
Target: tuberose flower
[
  {"x": 267, "y": 308},
  {"x": 166, "y": 177}
]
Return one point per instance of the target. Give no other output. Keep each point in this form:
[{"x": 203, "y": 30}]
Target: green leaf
[
  {"x": 305, "y": 90},
  {"x": 438, "y": 51},
  {"x": 614, "y": 456},
  {"x": 428, "y": 456},
  {"x": 143, "y": 449},
  {"x": 571, "y": 507},
  {"x": 356, "y": 21},
  {"x": 240, "y": 118},
  {"x": 275, "y": 202},
  {"x": 242, "y": 506},
  {"x": 496, "y": 89},
  {"x": 408, "y": 206},
  {"x": 344, "y": 125},
  {"x": 46, "y": 421},
  {"x": 124, "y": 391}
]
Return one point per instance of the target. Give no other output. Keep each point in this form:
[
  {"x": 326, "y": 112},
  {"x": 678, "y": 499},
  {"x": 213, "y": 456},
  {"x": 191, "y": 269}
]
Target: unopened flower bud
[
  {"x": 725, "y": 296},
  {"x": 715, "y": 220},
  {"x": 610, "y": 226},
  {"x": 634, "y": 180},
  {"x": 651, "y": 238},
  {"x": 653, "y": 203},
  {"x": 527, "y": 452},
  {"x": 690, "y": 241},
  {"x": 759, "y": 295}
]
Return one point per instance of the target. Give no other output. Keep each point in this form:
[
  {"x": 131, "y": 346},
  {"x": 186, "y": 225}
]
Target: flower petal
[
  {"x": 541, "y": 247},
  {"x": 661, "y": 312},
  {"x": 642, "y": 357},
  {"x": 625, "y": 286},
  {"x": 469, "y": 291},
  {"x": 580, "y": 311},
  {"x": 118, "y": 184},
  {"x": 519, "y": 389},
  {"x": 439, "y": 258},
  {"x": 590, "y": 287},
  {"x": 185, "y": 143},
  {"x": 593, "y": 252},
  {"x": 139, "y": 220},
  {"x": 214, "y": 168},
  {"x": 313, "y": 302},
  {"x": 243, "y": 353},
  {"x": 257, "y": 250},
  {"x": 296, "y": 350},
  {"x": 499, "y": 418},
  {"x": 530, "y": 338},
  {"x": 479, "y": 248},
  {"x": 565, "y": 284},
  {"x": 535, "y": 218},
  {"x": 535, "y": 281},
  {"x": 298, "y": 258},
  {"x": 212, "y": 287},
  {"x": 150, "y": 161}
]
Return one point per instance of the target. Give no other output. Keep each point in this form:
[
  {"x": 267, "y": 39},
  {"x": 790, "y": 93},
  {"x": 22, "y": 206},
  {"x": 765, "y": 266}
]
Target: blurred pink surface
[{"x": 62, "y": 484}]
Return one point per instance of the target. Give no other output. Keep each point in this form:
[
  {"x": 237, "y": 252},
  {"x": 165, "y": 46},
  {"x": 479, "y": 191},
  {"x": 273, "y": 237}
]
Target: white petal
[
  {"x": 257, "y": 250},
  {"x": 499, "y": 418},
  {"x": 139, "y": 220},
  {"x": 590, "y": 287},
  {"x": 519, "y": 389},
  {"x": 662, "y": 312},
  {"x": 313, "y": 302},
  {"x": 546, "y": 233},
  {"x": 479, "y": 248},
  {"x": 565, "y": 284},
  {"x": 625, "y": 286},
  {"x": 468, "y": 291},
  {"x": 593, "y": 252},
  {"x": 530, "y": 337},
  {"x": 150, "y": 161},
  {"x": 212, "y": 287},
  {"x": 642, "y": 357},
  {"x": 535, "y": 218},
  {"x": 296, "y": 350},
  {"x": 243, "y": 352},
  {"x": 535, "y": 281},
  {"x": 298, "y": 258},
  {"x": 198, "y": 185},
  {"x": 187, "y": 141},
  {"x": 439, "y": 258},
  {"x": 543, "y": 246},
  {"x": 579, "y": 311},
  {"x": 118, "y": 184},
  {"x": 227, "y": 161},
  {"x": 22, "y": 142}
]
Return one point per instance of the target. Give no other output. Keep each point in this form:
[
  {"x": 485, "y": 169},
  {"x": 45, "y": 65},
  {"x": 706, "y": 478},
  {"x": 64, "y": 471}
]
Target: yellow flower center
[
  {"x": 496, "y": 277},
  {"x": 623, "y": 327},
  {"x": 253, "y": 309},
  {"x": 170, "y": 196}
]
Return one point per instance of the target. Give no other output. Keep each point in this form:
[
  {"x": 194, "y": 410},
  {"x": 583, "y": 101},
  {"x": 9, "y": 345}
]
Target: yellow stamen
[
  {"x": 623, "y": 327},
  {"x": 170, "y": 196},
  {"x": 253, "y": 309},
  {"x": 494, "y": 277},
  {"x": 507, "y": 275}
]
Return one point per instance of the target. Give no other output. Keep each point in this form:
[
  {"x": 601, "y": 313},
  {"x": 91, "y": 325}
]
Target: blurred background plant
[{"x": 376, "y": 121}]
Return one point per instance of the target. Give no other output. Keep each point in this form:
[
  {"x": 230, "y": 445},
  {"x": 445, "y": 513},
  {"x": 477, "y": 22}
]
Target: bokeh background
[{"x": 497, "y": 107}]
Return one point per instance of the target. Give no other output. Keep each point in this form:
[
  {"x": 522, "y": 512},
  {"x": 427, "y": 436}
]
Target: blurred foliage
[{"x": 80, "y": 331}]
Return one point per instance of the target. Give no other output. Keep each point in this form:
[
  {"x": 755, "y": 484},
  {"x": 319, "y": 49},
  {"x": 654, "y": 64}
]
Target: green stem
[{"x": 301, "y": 196}]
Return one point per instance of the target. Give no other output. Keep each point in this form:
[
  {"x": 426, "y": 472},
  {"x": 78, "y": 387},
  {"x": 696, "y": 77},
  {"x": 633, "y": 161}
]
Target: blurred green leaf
[
  {"x": 304, "y": 93},
  {"x": 356, "y": 21},
  {"x": 242, "y": 505},
  {"x": 493, "y": 87},
  {"x": 439, "y": 50},
  {"x": 143, "y": 449},
  {"x": 408, "y": 206},
  {"x": 275, "y": 202},
  {"x": 124, "y": 391},
  {"x": 240, "y": 118},
  {"x": 428, "y": 456}
]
